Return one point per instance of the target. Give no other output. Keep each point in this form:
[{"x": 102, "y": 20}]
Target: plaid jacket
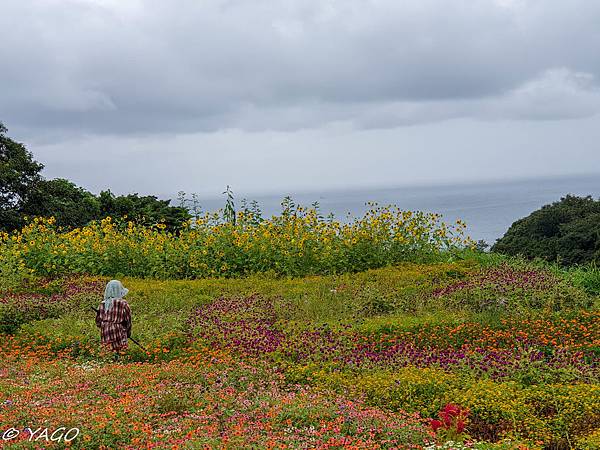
[{"x": 115, "y": 325}]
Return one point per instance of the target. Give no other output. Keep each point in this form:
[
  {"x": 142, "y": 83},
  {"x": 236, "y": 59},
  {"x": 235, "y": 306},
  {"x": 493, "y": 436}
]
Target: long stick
[{"x": 132, "y": 339}]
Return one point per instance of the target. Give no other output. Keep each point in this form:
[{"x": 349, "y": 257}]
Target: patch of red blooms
[{"x": 451, "y": 418}]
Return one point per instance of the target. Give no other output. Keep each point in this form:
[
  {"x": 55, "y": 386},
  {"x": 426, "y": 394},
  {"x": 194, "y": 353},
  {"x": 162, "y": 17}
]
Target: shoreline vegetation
[{"x": 392, "y": 331}]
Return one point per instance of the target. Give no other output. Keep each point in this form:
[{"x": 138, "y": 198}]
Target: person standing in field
[{"x": 114, "y": 317}]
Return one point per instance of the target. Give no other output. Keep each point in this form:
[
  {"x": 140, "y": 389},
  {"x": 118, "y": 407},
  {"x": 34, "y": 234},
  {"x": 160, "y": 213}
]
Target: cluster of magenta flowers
[
  {"x": 497, "y": 363},
  {"x": 502, "y": 280},
  {"x": 47, "y": 292},
  {"x": 250, "y": 327},
  {"x": 46, "y": 299},
  {"x": 245, "y": 324}
]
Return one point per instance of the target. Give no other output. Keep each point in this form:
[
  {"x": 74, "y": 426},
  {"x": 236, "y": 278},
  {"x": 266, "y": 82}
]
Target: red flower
[
  {"x": 451, "y": 417},
  {"x": 452, "y": 410},
  {"x": 446, "y": 418},
  {"x": 435, "y": 424},
  {"x": 460, "y": 425}
]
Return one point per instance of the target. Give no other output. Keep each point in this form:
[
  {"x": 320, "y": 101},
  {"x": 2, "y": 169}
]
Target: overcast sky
[{"x": 157, "y": 96}]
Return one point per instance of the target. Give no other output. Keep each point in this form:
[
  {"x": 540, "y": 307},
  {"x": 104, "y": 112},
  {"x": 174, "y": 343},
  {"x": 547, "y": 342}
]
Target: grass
[
  {"x": 161, "y": 307},
  {"x": 355, "y": 360}
]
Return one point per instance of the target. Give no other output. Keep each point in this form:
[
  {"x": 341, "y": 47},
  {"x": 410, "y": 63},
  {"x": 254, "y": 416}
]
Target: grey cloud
[
  {"x": 151, "y": 67},
  {"x": 332, "y": 157},
  {"x": 557, "y": 94}
]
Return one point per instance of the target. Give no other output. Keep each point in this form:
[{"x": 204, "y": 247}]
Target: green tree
[
  {"x": 579, "y": 240},
  {"x": 19, "y": 173},
  {"x": 24, "y": 192},
  {"x": 567, "y": 231},
  {"x": 71, "y": 205},
  {"x": 146, "y": 210}
]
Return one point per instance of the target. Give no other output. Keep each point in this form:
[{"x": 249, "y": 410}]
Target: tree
[
  {"x": 146, "y": 210},
  {"x": 70, "y": 205},
  {"x": 19, "y": 172},
  {"x": 24, "y": 192},
  {"x": 567, "y": 231},
  {"x": 579, "y": 240}
]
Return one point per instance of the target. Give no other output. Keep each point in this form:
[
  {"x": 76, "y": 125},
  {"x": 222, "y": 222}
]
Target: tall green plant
[{"x": 229, "y": 214}]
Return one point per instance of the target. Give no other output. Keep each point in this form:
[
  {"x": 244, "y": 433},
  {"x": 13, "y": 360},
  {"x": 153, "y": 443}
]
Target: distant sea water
[{"x": 488, "y": 208}]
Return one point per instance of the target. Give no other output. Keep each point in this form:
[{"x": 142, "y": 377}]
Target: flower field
[
  {"x": 297, "y": 242},
  {"x": 441, "y": 349}
]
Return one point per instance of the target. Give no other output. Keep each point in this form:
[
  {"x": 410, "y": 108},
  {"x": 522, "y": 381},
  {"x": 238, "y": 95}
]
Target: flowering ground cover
[
  {"x": 452, "y": 355},
  {"x": 45, "y": 299},
  {"x": 205, "y": 399},
  {"x": 539, "y": 376},
  {"x": 564, "y": 348}
]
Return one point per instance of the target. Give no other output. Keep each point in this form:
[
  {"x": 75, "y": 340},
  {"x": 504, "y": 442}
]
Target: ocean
[{"x": 488, "y": 208}]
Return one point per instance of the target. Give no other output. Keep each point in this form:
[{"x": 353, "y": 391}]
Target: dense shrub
[
  {"x": 567, "y": 231},
  {"x": 19, "y": 173}
]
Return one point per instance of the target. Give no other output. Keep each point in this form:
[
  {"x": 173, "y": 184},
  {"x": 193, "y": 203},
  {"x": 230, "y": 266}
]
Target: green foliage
[
  {"x": 175, "y": 401},
  {"x": 489, "y": 294},
  {"x": 250, "y": 214},
  {"x": 551, "y": 413},
  {"x": 14, "y": 314},
  {"x": 144, "y": 210},
  {"x": 50, "y": 300},
  {"x": 590, "y": 442},
  {"x": 70, "y": 205},
  {"x": 24, "y": 193},
  {"x": 229, "y": 214},
  {"x": 586, "y": 277},
  {"x": 567, "y": 231},
  {"x": 19, "y": 173}
]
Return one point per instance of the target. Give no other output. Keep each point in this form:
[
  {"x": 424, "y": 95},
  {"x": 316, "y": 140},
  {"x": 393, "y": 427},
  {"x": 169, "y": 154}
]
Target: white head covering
[{"x": 114, "y": 289}]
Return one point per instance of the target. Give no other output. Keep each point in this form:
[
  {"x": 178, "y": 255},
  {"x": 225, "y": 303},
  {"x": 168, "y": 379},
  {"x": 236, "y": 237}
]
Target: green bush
[
  {"x": 13, "y": 314},
  {"x": 587, "y": 278},
  {"x": 567, "y": 231}
]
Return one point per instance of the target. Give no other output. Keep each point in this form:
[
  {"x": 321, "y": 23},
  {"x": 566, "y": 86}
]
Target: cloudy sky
[{"x": 156, "y": 96}]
